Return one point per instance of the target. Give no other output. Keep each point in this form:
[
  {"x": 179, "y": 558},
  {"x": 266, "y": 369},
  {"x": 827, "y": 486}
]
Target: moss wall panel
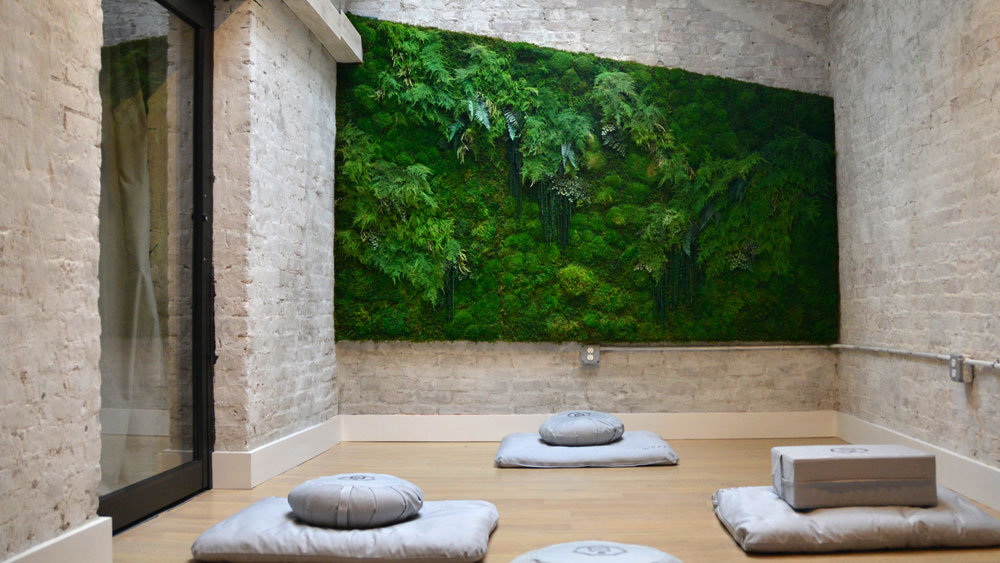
[{"x": 490, "y": 190}]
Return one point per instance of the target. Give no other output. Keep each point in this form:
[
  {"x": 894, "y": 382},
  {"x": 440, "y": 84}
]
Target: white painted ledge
[
  {"x": 962, "y": 474},
  {"x": 246, "y": 470},
  {"x": 678, "y": 426},
  {"x": 331, "y": 27},
  {"x": 87, "y": 543}
]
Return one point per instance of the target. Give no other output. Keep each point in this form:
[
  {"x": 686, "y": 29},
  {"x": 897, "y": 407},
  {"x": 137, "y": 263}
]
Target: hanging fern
[
  {"x": 450, "y": 280},
  {"x": 515, "y": 161},
  {"x": 557, "y": 198},
  {"x": 515, "y": 123},
  {"x": 547, "y": 214}
]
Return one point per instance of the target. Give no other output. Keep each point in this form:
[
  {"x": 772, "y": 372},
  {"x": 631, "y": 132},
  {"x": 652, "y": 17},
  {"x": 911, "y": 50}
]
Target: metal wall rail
[
  {"x": 713, "y": 348},
  {"x": 591, "y": 354},
  {"x": 995, "y": 364}
]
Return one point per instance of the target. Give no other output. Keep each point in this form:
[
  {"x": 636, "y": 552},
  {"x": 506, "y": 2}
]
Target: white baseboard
[
  {"x": 965, "y": 475},
  {"x": 87, "y": 543},
  {"x": 678, "y": 426},
  {"x": 246, "y": 470}
]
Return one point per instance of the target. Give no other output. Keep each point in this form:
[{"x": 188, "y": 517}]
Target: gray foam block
[{"x": 853, "y": 475}]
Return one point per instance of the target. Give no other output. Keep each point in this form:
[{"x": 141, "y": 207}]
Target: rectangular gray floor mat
[
  {"x": 760, "y": 521},
  {"x": 633, "y": 449},
  {"x": 443, "y": 531}
]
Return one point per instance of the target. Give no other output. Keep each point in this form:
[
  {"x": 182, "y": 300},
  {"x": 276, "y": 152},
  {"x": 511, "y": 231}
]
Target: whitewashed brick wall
[
  {"x": 917, "y": 94},
  {"x": 50, "y": 134},
  {"x": 275, "y": 92},
  {"x": 773, "y": 42},
  {"x": 523, "y": 378}
]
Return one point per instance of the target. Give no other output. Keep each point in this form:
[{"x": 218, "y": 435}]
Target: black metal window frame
[{"x": 138, "y": 501}]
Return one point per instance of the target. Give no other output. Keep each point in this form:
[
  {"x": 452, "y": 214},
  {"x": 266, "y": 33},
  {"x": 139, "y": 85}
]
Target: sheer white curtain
[{"x": 132, "y": 355}]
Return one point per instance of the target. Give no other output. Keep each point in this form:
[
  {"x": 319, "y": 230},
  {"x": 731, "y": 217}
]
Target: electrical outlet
[
  {"x": 590, "y": 355},
  {"x": 955, "y": 367}
]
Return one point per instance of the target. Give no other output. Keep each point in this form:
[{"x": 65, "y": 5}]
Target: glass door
[{"x": 155, "y": 242}]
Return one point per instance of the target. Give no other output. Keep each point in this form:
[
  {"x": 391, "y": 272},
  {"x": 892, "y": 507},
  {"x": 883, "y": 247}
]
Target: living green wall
[{"x": 489, "y": 190}]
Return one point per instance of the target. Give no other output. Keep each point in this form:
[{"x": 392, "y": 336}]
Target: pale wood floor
[{"x": 664, "y": 507}]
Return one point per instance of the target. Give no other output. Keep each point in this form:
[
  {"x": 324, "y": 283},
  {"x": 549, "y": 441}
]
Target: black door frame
[{"x": 138, "y": 501}]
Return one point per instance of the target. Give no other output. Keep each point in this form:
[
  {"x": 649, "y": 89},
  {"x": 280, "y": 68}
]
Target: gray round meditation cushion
[
  {"x": 596, "y": 552},
  {"x": 355, "y": 500},
  {"x": 581, "y": 428}
]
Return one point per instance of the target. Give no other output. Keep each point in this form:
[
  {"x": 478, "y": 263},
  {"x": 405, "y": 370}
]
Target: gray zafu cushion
[
  {"x": 760, "y": 521},
  {"x": 853, "y": 475},
  {"x": 635, "y": 448},
  {"x": 267, "y": 532},
  {"x": 581, "y": 428},
  {"x": 355, "y": 500},
  {"x": 596, "y": 552}
]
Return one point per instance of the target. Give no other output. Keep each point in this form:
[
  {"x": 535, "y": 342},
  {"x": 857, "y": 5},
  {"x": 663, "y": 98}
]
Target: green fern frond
[
  {"x": 454, "y": 129},
  {"x": 478, "y": 112},
  {"x": 568, "y": 156},
  {"x": 513, "y": 119}
]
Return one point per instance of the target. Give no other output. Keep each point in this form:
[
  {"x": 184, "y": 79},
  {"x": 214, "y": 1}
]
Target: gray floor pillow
[
  {"x": 355, "y": 500},
  {"x": 760, "y": 521},
  {"x": 581, "y": 428},
  {"x": 268, "y": 532},
  {"x": 634, "y": 449},
  {"x": 596, "y": 552}
]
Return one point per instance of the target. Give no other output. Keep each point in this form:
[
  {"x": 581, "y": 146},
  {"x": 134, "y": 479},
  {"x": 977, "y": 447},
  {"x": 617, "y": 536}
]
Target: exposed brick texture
[
  {"x": 917, "y": 95},
  {"x": 774, "y": 42},
  {"x": 274, "y": 139},
  {"x": 231, "y": 236},
  {"x": 509, "y": 378},
  {"x": 50, "y": 131}
]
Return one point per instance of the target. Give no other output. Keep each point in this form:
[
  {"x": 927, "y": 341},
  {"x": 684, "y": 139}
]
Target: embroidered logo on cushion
[
  {"x": 357, "y": 478},
  {"x": 576, "y": 414},
  {"x": 600, "y": 550},
  {"x": 848, "y": 450}
]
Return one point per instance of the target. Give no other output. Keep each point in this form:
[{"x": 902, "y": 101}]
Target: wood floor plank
[{"x": 665, "y": 507}]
